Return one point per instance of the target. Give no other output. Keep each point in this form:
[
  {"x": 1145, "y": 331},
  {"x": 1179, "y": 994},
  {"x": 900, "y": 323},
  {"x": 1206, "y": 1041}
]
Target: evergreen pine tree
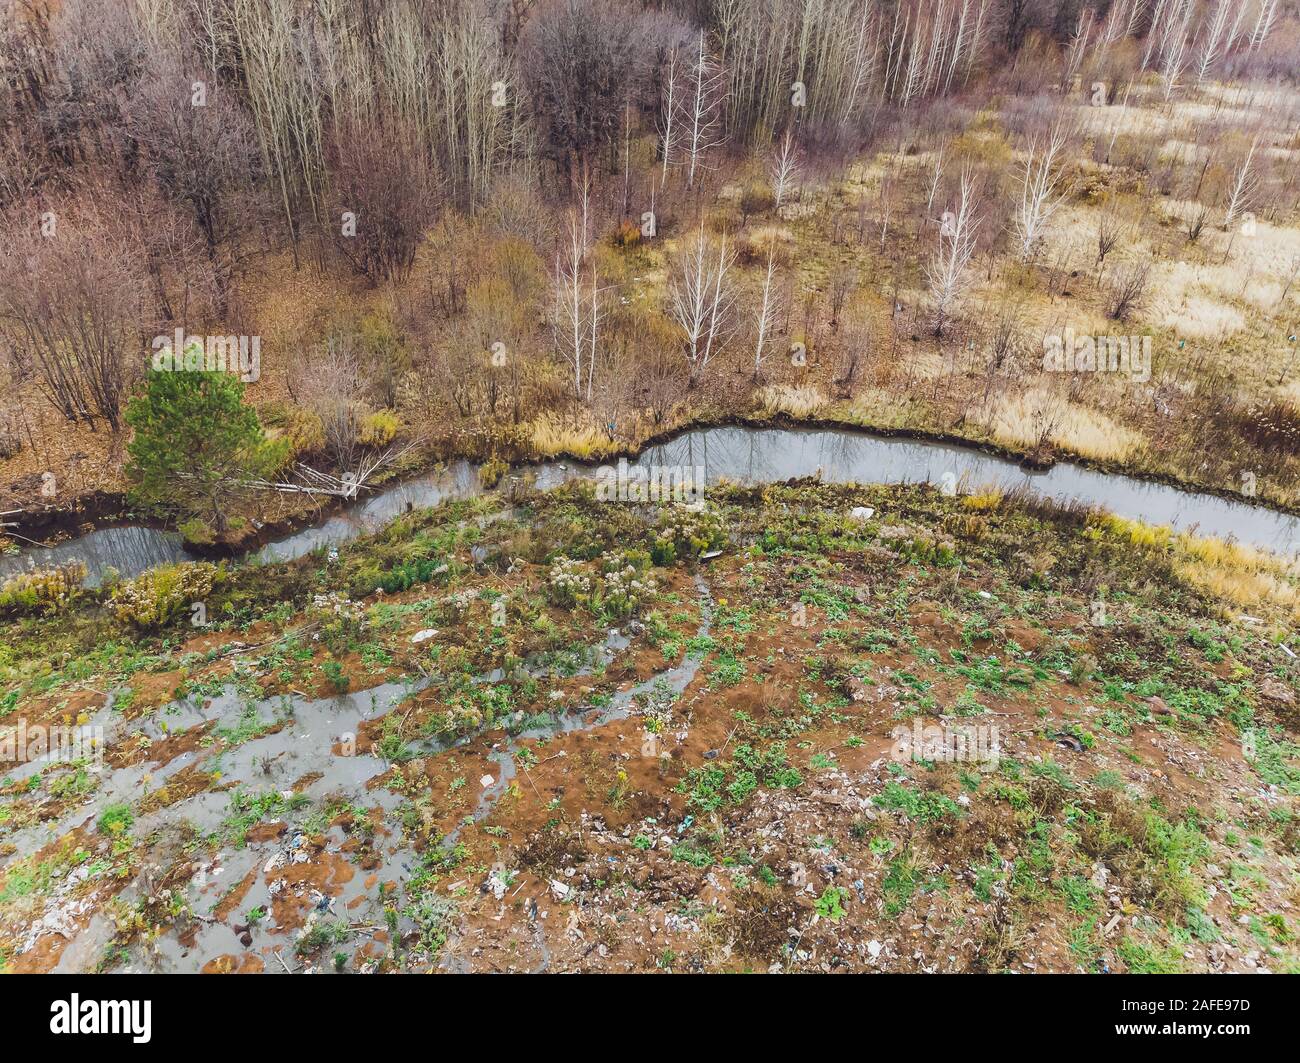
[{"x": 196, "y": 446}]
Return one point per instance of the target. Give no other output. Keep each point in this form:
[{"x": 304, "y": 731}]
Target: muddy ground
[{"x": 514, "y": 764}]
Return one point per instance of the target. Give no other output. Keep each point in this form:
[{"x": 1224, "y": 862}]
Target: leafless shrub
[
  {"x": 387, "y": 198},
  {"x": 73, "y": 313},
  {"x": 334, "y": 384},
  {"x": 1110, "y": 231},
  {"x": 1128, "y": 291}
]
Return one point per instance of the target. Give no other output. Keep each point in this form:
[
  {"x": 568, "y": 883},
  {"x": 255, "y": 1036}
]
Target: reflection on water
[
  {"x": 747, "y": 455},
  {"x": 759, "y": 455},
  {"x": 128, "y": 550}
]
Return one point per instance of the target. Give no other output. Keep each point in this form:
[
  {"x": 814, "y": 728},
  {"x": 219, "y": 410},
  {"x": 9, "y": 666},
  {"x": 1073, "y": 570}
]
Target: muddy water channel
[
  {"x": 299, "y": 747},
  {"x": 742, "y": 454},
  {"x": 302, "y": 749}
]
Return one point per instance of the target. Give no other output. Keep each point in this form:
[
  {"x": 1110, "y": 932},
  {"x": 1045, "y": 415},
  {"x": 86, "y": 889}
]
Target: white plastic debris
[{"x": 423, "y": 636}]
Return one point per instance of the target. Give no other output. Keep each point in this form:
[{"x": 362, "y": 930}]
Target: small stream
[{"x": 741, "y": 454}]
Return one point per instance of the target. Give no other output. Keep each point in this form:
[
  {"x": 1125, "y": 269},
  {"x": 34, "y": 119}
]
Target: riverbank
[{"x": 104, "y": 510}]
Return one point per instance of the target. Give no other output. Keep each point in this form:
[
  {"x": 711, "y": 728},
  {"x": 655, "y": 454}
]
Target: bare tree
[
  {"x": 1175, "y": 42},
  {"x": 1263, "y": 23},
  {"x": 387, "y": 198},
  {"x": 668, "y": 112},
  {"x": 568, "y": 322},
  {"x": 1077, "y": 48},
  {"x": 766, "y": 316},
  {"x": 701, "y": 299},
  {"x": 934, "y": 179},
  {"x": 1245, "y": 185},
  {"x": 1213, "y": 43},
  {"x": 1041, "y": 193},
  {"x": 203, "y": 155},
  {"x": 947, "y": 269},
  {"x": 583, "y": 61},
  {"x": 785, "y": 168},
  {"x": 73, "y": 312},
  {"x": 701, "y": 119}
]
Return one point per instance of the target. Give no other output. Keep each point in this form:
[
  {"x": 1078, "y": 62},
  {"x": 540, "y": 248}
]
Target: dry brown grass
[
  {"x": 806, "y": 400},
  {"x": 1242, "y": 575},
  {"x": 552, "y": 435},
  {"x": 1018, "y": 421}
]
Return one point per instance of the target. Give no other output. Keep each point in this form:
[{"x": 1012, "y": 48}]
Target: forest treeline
[{"x": 495, "y": 165}]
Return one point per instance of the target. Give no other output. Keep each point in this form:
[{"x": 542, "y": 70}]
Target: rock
[{"x": 1276, "y": 690}]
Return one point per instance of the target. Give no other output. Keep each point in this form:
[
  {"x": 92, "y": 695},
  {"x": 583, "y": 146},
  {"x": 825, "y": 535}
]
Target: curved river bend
[{"x": 741, "y": 454}]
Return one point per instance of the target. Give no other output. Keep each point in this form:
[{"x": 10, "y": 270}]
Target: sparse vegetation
[{"x": 779, "y": 724}]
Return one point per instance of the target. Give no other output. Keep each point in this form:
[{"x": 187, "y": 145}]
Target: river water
[{"x": 741, "y": 454}]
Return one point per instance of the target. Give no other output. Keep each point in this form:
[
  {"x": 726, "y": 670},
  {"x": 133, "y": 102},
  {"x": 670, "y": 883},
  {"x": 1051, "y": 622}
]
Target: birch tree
[
  {"x": 785, "y": 168},
  {"x": 1245, "y": 185},
  {"x": 568, "y": 320},
  {"x": 701, "y": 300},
  {"x": 670, "y": 105},
  {"x": 1041, "y": 194},
  {"x": 701, "y": 121},
  {"x": 1175, "y": 61},
  {"x": 1263, "y": 23},
  {"x": 1212, "y": 46},
  {"x": 946, "y": 271},
  {"x": 766, "y": 316}
]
